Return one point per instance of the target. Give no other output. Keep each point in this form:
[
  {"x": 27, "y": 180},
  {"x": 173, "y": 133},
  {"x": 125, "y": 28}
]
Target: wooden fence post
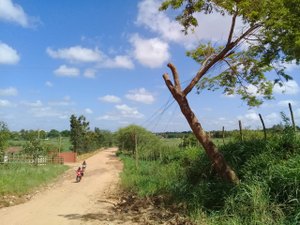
[
  {"x": 292, "y": 116},
  {"x": 241, "y": 130},
  {"x": 223, "y": 135},
  {"x": 136, "y": 151},
  {"x": 263, "y": 124}
]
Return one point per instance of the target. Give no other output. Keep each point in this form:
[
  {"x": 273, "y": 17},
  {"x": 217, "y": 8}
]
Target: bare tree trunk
[
  {"x": 219, "y": 163},
  {"x": 218, "y": 160}
]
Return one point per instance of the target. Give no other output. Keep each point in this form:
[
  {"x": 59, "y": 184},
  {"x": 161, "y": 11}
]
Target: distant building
[{"x": 13, "y": 150}]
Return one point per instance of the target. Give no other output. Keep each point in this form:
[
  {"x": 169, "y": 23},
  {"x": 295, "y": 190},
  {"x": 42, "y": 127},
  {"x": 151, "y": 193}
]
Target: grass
[
  {"x": 19, "y": 179},
  {"x": 269, "y": 192}
]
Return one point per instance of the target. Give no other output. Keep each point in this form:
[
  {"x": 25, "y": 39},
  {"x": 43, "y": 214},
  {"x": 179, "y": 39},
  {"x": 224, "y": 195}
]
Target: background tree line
[{"x": 80, "y": 138}]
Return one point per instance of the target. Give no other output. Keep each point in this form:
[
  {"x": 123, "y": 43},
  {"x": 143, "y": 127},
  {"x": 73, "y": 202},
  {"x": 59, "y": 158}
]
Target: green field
[{"x": 63, "y": 144}]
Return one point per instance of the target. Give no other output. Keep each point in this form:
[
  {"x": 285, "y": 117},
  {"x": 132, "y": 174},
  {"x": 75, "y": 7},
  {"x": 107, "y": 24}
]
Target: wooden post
[
  {"x": 241, "y": 130},
  {"x": 263, "y": 124},
  {"x": 223, "y": 135},
  {"x": 59, "y": 147},
  {"x": 136, "y": 151},
  {"x": 292, "y": 116}
]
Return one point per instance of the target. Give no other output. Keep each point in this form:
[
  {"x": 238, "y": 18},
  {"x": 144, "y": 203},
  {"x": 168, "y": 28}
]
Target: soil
[{"x": 97, "y": 199}]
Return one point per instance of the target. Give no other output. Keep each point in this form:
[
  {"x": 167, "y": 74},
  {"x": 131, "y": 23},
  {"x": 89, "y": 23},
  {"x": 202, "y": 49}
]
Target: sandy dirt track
[{"x": 72, "y": 203}]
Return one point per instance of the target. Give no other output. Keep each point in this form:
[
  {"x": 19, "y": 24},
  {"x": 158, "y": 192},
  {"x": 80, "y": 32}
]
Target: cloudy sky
[{"x": 105, "y": 60}]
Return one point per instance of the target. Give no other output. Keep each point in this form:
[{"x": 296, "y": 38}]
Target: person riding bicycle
[{"x": 84, "y": 165}]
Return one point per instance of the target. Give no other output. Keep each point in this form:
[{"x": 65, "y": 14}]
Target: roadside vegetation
[
  {"x": 20, "y": 179},
  {"x": 268, "y": 192}
]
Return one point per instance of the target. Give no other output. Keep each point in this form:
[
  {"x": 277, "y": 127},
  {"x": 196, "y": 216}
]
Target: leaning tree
[{"x": 268, "y": 39}]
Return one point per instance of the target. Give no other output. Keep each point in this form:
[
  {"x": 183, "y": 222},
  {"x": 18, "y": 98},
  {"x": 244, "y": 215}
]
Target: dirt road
[{"x": 72, "y": 203}]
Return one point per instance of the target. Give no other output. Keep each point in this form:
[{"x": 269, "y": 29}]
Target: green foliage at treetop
[
  {"x": 83, "y": 139},
  {"x": 78, "y": 132},
  {"x": 269, "y": 39}
]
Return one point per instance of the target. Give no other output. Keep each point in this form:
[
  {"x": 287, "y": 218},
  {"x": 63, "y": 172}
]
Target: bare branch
[
  {"x": 232, "y": 27},
  {"x": 169, "y": 83},
  {"x": 175, "y": 76}
]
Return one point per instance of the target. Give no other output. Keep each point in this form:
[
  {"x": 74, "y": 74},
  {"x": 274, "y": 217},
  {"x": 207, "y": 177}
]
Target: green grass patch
[
  {"x": 20, "y": 179},
  {"x": 269, "y": 192}
]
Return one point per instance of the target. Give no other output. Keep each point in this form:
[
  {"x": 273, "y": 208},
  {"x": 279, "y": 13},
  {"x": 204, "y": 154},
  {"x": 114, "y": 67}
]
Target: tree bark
[{"x": 218, "y": 160}]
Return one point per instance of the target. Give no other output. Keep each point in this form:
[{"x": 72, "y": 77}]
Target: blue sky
[{"x": 105, "y": 60}]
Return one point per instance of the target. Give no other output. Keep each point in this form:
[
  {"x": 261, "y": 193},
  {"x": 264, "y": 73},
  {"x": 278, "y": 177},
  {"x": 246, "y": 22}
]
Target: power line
[{"x": 157, "y": 115}]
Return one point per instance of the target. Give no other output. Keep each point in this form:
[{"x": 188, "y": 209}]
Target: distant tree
[
  {"x": 4, "y": 136},
  {"x": 34, "y": 148},
  {"x": 29, "y": 134},
  {"x": 269, "y": 39},
  {"x": 126, "y": 137},
  {"x": 15, "y": 135},
  {"x": 104, "y": 138},
  {"x": 53, "y": 133},
  {"x": 135, "y": 137},
  {"x": 65, "y": 133},
  {"x": 42, "y": 134},
  {"x": 78, "y": 133},
  {"x": 189, "y": 140}
]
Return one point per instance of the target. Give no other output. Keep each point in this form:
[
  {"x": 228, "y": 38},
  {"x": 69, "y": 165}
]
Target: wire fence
[{"x": 26, "y": 159}]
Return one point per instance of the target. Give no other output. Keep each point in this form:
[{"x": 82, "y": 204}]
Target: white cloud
[
  {"x": 271, "y": 119},
  {"x": 252, "y": 116},
  {"x": 47, "y": 111},
  {"x": 285, "y": 103},
  {"x": 66, "y": 101},
  {"x": 88, "y": 111},
  {"x": 152, "y": 53},
  {"x": 290, "y": 66},
  {"x": 110, "y": 98},
  {"x": 297, "y": 113},
  {"x": 5, "y": 103},
  {"x": 228, "y": 96},
  {"x": 90, "y": 73},
  {"x": 253, "y": 90},
  {"x": 11, "y": 91},
  {"x": 37, "y": 103},
  {"x": 123, "y": 112},
  {"x": 76, "y": 54},
  {"x": 140, "y": 95},
  {"x": 8, "y": 55},
  {"x": 213, "y": 26},
  {"x": 13, "y": 13},
  {"x": 249, "y": 116},
  {"x": 290, "y": 88},
  {"x": 48, "y": 84},
  {"x": 250, "y": 119},
  {"x": 120, "y": 61},
  {"x": 128, "y": 112},
  {"x": 66, "y": 71},
  {"x": 149, "y": 16},
  {"x": 108, "y": 117}
]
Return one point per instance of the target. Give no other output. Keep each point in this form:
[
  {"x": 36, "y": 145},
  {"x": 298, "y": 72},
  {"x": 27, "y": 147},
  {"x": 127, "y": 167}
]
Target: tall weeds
[{"x": 269, "y": 192}]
